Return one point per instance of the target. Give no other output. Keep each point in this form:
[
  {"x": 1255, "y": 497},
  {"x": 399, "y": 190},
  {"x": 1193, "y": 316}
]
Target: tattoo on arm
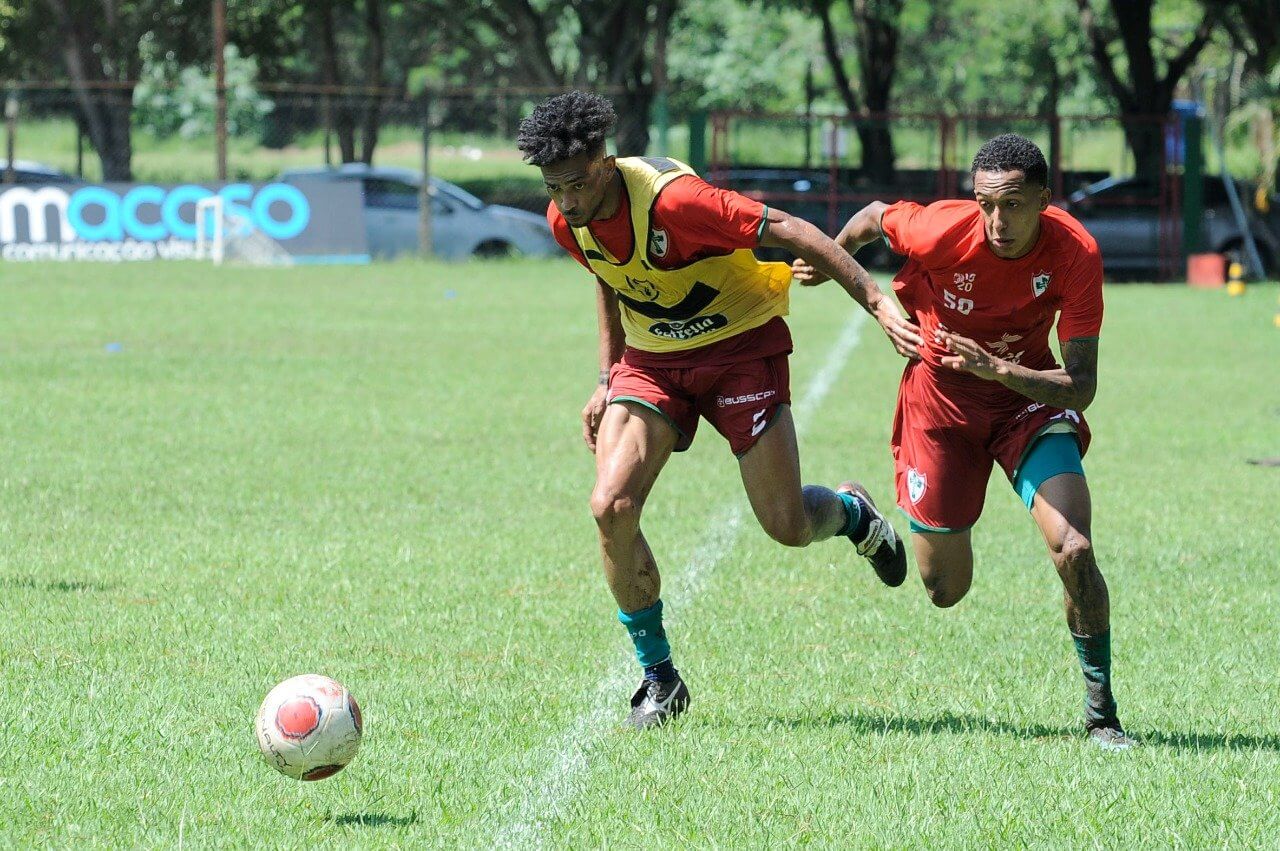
[{"x": 1072, "y": 386}]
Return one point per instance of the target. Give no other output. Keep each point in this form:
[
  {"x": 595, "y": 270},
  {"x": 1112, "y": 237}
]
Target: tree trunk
[
  {"x": 1144, "y": 97},
  {"x": 877, "y": 22},
  {"x": 1145, "y": 137},
  {"x": 877, "y": 150},
  {"x": 876, "y": 26},
  {"x": 340, "y": 110},
  {"x": 106, "y": 111},
  {"x": 634, "y": 104},
  {"x": 373, "y": 107},
  {"x": 117, "y": 151}
]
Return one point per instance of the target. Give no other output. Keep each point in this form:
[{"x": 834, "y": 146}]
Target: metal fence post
[
  {"x": 11, "y": 135},
  {"x": 1193, "y": 185},
  {"x": 426, "y": 243},
  {"x": 698, "y": 141},
  {"x": 220, "y": 87}
]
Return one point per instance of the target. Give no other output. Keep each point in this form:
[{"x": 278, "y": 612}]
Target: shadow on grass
[
  {"x": 64, "y": 585},
  {"x": 950, "y": 722},
  {"x": 375, "y": 820}
]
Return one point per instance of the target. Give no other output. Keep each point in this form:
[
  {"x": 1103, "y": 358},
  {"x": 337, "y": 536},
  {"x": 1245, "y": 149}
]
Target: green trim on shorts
[
  {"x": 917, "y": 526},
  {"x": 1051, "y": 454},
  {"x": 645, "y": 404},
  {"x": 1056, "y": 427}
]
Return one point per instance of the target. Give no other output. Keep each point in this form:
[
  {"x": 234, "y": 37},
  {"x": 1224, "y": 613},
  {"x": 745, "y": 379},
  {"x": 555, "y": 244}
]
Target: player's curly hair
[
  {"x": 564, "y": 126},
  {"x": 1011, "y": 152}
]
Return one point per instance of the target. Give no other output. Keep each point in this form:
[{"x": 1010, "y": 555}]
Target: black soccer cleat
[
  {"x": 882, "y": 546},
  {"x": 1112, "y": 737},
  {"x": 654, "y": 704}
]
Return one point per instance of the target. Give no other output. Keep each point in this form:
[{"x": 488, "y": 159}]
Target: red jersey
[
  {"x": 697, "y": 220},
  {"x": 953, "y": 278}
]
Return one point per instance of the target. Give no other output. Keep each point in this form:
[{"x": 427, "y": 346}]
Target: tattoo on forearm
[{"x": 1071, "y": 387}]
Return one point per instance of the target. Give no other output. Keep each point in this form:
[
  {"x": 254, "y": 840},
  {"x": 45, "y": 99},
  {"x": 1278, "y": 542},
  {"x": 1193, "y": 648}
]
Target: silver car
[{"x": 462, "y": 225}]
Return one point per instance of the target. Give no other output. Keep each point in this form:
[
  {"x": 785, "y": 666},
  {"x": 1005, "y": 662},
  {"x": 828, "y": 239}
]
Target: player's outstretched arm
[
  {"x": 612, "y": 341},
  {"x": 783, "y": 230},
  {"x": 862, "y": 228},
  {"x": 1070, "y": 387}
]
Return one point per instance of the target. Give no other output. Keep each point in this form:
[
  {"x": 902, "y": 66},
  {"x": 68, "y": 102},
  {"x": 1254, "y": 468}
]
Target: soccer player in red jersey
[
  {"x": 984, "y": 279},
  {"x": 690, "y": 327}
]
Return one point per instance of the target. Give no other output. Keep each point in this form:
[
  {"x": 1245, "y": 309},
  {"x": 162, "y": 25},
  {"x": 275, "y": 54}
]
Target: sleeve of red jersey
[
  {"x": 915, "y": 231},
  {"x": 709, "y": 216},
  {"x": 560, "y": 230},
  {"x": 1081, "y": 315}
]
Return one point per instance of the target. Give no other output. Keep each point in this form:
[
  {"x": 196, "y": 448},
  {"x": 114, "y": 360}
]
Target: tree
[
  {"x": 732, "y": 76},
  {"x": 616, "y": 45},
  {"x": 1254, "y": 27},
  {"x": 875, "y": 36},
  {"x": 98, "y": 43},
  {"x": 1143, "y": 94},
  {"x": 373, "y": 78}
]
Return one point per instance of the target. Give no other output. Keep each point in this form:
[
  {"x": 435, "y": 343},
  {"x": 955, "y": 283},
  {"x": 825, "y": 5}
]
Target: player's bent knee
[
  {"x": 613, "y": 510},
  {"x": 944, "y": 595},
  {"x": 790, "y": 532},
  {"x": 1074, "y": 551}
]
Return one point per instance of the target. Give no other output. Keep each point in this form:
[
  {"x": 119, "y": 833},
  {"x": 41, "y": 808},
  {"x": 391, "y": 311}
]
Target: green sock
[
  {"x": 645, "y": 629},
  {"x": 1095, "y": 662}
]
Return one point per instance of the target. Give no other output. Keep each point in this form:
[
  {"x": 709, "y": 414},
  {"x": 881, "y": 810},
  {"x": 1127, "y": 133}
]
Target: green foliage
[
  {"x": 730, "y": 54},
  {"x": 182, "y": 101}
]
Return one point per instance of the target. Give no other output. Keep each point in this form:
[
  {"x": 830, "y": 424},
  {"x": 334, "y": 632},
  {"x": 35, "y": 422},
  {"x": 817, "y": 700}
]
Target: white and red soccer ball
[{"x": 309, "y": 727}]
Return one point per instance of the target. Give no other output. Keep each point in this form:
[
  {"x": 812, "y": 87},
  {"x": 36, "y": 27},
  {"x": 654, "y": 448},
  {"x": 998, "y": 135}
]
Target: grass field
[{"x": 213, "y": 480}]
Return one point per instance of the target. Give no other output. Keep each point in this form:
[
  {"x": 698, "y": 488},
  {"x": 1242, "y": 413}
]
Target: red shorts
[
  {"x": 949, "y": 429},
  {"x": 739, "y": 399}
]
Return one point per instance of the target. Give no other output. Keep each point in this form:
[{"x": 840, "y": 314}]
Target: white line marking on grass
[{"x": 548, "y": 797}]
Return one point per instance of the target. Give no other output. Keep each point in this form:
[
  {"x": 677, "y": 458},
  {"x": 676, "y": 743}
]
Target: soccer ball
[{"x": 308, "y": 727}]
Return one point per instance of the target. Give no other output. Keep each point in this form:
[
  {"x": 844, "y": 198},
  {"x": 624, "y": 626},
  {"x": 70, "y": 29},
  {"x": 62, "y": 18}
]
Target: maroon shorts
[
  {"x": 948, "y": 431},
  {"x": 739, "y": 399}
]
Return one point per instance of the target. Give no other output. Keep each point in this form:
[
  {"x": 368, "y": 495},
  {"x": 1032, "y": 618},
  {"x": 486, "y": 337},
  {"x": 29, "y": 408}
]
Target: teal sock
[
  {"x": 1095, "y": 661},
  {"x": 856, "y": 521},
  {"x": 645, "y": 629}
]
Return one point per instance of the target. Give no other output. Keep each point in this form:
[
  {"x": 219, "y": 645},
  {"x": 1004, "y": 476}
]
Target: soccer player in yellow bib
[{"x": 691, "y": 327}]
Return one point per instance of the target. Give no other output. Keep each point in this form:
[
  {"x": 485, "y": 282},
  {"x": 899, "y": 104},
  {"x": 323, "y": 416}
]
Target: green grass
[{"x": 377, "y": 474}]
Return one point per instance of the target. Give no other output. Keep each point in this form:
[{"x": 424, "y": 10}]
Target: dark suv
[{"x": 1123, "y": 215}]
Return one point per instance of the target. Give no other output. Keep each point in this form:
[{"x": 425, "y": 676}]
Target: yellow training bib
[{"x": 704, "y": 302}]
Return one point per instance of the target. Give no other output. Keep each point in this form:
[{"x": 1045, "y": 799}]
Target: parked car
[
  {"x": 1122, "y": 215},
  {"x": 462, "y": 225},
  {"x": 28, "y": 172}
]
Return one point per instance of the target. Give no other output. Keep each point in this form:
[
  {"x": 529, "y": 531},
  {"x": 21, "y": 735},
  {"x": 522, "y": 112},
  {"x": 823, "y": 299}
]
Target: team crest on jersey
[
  {"x": 916, "y": 484},
  {"x": 644, "y": 289},
  {"x": 1040, "y": 283},
  {"x": 658, "y": 243}
]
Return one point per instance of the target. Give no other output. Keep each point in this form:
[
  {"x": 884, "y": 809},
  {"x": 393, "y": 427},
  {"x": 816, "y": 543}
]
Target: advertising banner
[{"x": 307, "y": 222}]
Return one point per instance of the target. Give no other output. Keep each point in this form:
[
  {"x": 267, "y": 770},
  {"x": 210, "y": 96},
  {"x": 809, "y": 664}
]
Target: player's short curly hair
[
  {"x": 1011, "y": 152},
  {"x": 565, "y": 126}
]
